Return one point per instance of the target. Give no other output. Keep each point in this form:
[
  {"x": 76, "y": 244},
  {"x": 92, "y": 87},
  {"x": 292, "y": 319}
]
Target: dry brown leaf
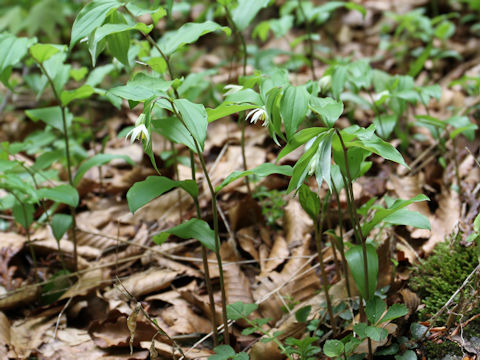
[
  {"x": 296, "y": 223},
  {"x": 142, "y": 283},
  {"x": 246, "y": 212},
  {"x": 26, "y": 335},
  {"x": 113, "y": 331},
  {"x": 87, "y": 281},
  {"x": 277, "y": 255},
  {"x": 445, "y": 219},
  {"x": 12, "y": 242},
  {"x": 4, "y": 335},
  {"x": 19, "y": 297},
  {"x": 168, "y": 351},
  {"x": 181, "y": 319},
  {"x": 247, "y": 241}
]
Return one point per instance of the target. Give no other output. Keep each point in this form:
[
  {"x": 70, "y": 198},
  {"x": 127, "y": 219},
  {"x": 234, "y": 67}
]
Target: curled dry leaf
[
  {"x": 145, "y": 282},
  {"x": 248, "y": 242},
  {"x": 4, "y": 335},
  {"x": 19, "y": 297},
  {"x": 277, "y": 255},
  {"x": 297, "y": 223},
  {"x": 87, "y": 281},
  {"x": 113, "y": 331},
  {"x": 181, "y": 319},
  {"x": 27, "y": 335}
]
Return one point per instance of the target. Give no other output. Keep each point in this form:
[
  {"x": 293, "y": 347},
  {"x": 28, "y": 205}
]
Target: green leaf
[
  {"x": 191, "y": 229},
  {"x": 408, "y": 217},
  {"x": 338, "y": 80},
  {"x": 355, "y": 262},
  {"x": 145, "y": 191},
  {"x": 239, "y": 310},
  {"x": 246, "y": 11},
  {"x": 60, "y": 224},
  {"x": 23, "y": 214},
  {"x": 407, "y": 355},
  {"x": 376, "y": 333},
  {"x": 222, "y": 352},
  {"x": 476, "y": 223},
  {"x": 195, "y": 118},
  {"x": 381, "y": 214},
  {"x": 65, "y": 194},
  {"x": 260, "y": 171},
  {"x": 189, "y": 33},
  {"x": 82, "y": 92},
  {"x": 12, "y": 50},
  {"x": 226, "y": 109},
  {"x": 417, "y": 65},
  {"x": 141, "y": 88},
  {"x": 97, "y": 160},
  {"x": 379, "y": 147},
  {"x": 333, "y": 348},
  {"x": 299, "y": 139},
  {"x": 158, "y": 64},
  {"x": 301, "y": 315},
  {"x": 173, "y": 130},
  {"x": 51, "y": 116},
  {"x": 293, "y": 108},
  {"x": 394, "y": 312},
  {"x": 43, "y": 52},
  {"x": 328, "y": 109},
  {"x": 90, "y": 17},
  {"x": 375, "y": 309},
  {"x": 310, "y": 201}
]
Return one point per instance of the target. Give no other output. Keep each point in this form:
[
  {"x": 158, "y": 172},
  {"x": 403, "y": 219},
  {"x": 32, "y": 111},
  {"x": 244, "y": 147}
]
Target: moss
[
  {"x": 441, "y": 274},
  {"x": 435, "y": 351}
]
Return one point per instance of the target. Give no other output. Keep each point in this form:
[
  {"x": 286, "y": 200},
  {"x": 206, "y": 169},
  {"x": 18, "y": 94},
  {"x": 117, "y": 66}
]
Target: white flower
[
  {"x": 381, "y": 97},
  {"x": 140, "y": 131},
  {"x": 258, "y": 114},
  {"x": 232, "y": 89},
  {"x": 324, "y": 83}
]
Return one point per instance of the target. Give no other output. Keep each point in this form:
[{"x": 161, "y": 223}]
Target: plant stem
[
  {"x": 69, "y": 165},
  {"x": 309, "y": 39},
  {"x": 205, "y": 262},
  {"x": 341, "y": 245},
  {"x": 318, "y": 241},
  {"x": 355, "y": 221},
  {"x": 215, "y": 224}
]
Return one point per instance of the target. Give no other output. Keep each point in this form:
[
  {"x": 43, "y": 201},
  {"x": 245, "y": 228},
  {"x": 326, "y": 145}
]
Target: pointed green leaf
[
  {"x": 65, "y": 194},
  {"x": 145, "y": 191},
  {"x": 246, "y": 11},
  {"x": 328, "y": 109},
  {"x": 195, "y": 118},
  {"x": 375, "y": 309},
  {"x": 12, "y": 50},
  {"x": 82, "y": 92},
  {"x": 261, "y": 171},
  {"x": 310, "y": 201},
  {"x": 299, "y": 139},
  {"x": 43, "y": 52},
  {"x": 376, "y": 333},
  {"x": 60, "y": 224},
  {"x": 408, "y": 217},
  {"x": 355, "y": 262},
  {"x": 226, "y": 109},
  {"x": 239, "y": 310},
  {"x": 293, "y": 108},
  {"x": 23, "y": 214},
  {"x": 189, "y": 33},
  {"x": 194, "y": 229},
  {"x": 51, "y": 116},
  {"x": 90, "y": 17},
  {"x": 394, "y": 312}
]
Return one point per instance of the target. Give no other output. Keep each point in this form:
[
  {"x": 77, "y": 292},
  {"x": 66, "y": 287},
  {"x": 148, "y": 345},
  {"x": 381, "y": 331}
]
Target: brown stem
[{"x": 309, "y": 39}]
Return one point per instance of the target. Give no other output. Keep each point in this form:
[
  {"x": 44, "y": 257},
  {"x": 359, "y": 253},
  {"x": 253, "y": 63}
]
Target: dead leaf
[
  {"x": 277, "y": 255},
  {"x": 19, "y": 297}
]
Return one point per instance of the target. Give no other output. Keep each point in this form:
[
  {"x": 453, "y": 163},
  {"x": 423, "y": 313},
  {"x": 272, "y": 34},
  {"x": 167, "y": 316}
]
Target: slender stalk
[
  {"x": 355, "y": 221},
  {"x": 318, "y": 241},
  {"x": 341, "y": 246},
  {"x": 242, "y": 121},
  {"x": 205, "y": 262},
  {"x": 177, "y": 177},
  {"x": 457, "y": 171},
  {"x": 311, "y": 49},
  {"x": 69, "y": 165},
  {"x": 215, "y": 224}
]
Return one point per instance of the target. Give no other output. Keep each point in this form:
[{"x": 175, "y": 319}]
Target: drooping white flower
[
  {"x": 140, "y": 131},
  {"x": 381, "y": 97},
  {"x": 258, "y": 114},
  {"x": 324, "y": 83},
  {"x": 232, "y": 89}
]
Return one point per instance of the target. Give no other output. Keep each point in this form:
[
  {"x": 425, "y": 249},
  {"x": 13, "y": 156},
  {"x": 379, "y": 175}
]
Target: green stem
[
  {"x": 69, "y": 165},
  {"x": 318, "y": 241},
  {"x": 205, "y": 262},
  {"x": 341, "y": 246},
  {"x": 215, "y": 224},
  {"x": 309, "y": 40}
]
